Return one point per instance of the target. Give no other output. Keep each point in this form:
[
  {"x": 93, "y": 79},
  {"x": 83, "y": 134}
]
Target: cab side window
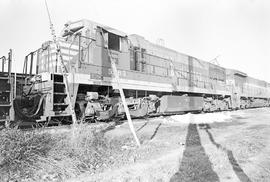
[{"x": 113, "y": 42}]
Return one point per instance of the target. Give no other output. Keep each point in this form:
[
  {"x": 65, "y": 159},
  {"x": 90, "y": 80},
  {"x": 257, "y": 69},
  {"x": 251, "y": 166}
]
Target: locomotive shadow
[
  {"x": 195, "y": 164},
  {"x": 236, "y": 167}
]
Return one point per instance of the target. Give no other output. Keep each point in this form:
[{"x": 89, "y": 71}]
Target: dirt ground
[{"x": 228, "y": 146}]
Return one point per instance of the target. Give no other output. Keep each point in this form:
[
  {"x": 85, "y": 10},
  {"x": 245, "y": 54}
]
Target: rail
[{"x": 9, "y": 64}]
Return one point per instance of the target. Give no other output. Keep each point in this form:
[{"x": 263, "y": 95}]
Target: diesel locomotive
[{"x": 156, "y": 80}]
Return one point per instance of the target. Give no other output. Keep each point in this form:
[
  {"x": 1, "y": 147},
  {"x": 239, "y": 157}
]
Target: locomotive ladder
[
  {"x": 116, "y": 76},
  {"x": 62, "y": 67}
]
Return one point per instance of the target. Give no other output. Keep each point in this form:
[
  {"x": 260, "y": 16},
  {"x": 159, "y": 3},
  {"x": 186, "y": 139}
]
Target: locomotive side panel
[{"x": 187, "y": 73}]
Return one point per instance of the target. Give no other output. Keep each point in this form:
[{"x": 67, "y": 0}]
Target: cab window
[{"x": 113, "y": 42}]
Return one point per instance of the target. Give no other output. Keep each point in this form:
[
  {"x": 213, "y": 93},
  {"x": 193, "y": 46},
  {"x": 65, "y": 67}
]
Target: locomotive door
[
  {"x": 235, "y": 98},
  {"x": 240, "y": 79}
]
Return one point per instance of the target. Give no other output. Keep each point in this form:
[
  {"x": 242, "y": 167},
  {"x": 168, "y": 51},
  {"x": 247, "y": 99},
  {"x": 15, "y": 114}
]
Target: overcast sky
[{"x": 237, "y": 30}]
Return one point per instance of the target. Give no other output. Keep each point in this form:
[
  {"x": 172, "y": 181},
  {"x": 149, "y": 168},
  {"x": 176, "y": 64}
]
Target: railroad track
[{"x": 28, "y": 126}]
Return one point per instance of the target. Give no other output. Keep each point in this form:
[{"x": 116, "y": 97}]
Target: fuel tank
[{"x": 175, "y": 104}]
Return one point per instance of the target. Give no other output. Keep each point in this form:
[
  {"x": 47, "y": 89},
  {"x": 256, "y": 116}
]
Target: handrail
[
  {"x": 9, "y": 59},
  {"x": 3, "y": 58}
]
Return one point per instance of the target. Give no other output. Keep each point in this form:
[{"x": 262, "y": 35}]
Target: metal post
[
  {"x": 9, "y": 62},
  {"x": 79, "y": 59},
  {"x": 56, "y": 62},
  {"x": 37, "y": 63},
  {"x": 11, "y": 96},
  {"x": 31, "y": 63},
  {"x": 15, "y": 85},
  {"x": 3, "y": 65},
  {"x": 48, "y": 58},
  {"x": 26, "y": 65}
]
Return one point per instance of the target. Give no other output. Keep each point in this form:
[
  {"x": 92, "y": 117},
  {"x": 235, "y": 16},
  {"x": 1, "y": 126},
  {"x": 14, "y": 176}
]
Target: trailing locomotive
[{"x": 156, "y": 80}]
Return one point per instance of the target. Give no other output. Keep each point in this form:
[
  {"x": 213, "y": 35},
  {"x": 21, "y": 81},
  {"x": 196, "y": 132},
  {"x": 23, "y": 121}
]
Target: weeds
[
  {"x": 19, "y": 152},
  {"x": 42, "y": 156}
]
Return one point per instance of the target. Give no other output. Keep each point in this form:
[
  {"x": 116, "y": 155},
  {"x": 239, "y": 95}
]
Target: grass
[
  {"x": 19, "y": 152},
  {"x": 44, "y": 156}
]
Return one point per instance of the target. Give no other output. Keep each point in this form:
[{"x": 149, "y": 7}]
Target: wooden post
[
  {"x": 116, "y": 76},
  {"x": 62, "y": 68},
  {"x": 115, "y": 72}
]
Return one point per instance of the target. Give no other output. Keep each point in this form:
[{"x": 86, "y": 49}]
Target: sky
[{"x": 238, "y": 32}]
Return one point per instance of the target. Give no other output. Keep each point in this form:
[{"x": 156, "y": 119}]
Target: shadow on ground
[
  {"x": 142, "y": 126},
  {"x": 155, "y": 132},
  {"x": 195, "y": 164},
  {"x": 236, "y": 167}
]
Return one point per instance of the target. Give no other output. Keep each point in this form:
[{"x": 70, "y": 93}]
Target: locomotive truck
[{"x": 156, "y": 80}]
